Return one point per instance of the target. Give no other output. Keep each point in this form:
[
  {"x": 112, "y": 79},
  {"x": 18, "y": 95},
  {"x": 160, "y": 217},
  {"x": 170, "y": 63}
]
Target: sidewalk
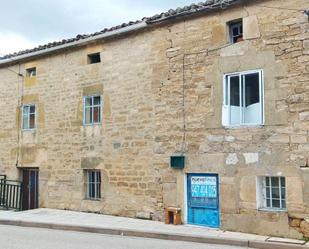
[{"x": 95, "y": 223}]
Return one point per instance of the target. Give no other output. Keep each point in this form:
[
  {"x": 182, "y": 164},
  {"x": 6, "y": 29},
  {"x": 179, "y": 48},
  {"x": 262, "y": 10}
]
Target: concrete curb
[{"x": 156, "y": 235}]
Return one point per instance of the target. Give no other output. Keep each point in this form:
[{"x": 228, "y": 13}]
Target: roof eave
[
  {"x": 81, "y": 42},
  {"x": 218, "y": 6}
]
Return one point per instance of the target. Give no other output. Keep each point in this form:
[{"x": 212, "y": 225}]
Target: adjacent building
[{"x": 204, "y": 108}]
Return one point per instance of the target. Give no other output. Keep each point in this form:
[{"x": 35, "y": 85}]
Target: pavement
[
  {"x": 13, "y": 237},
  {"x": 111, "y": 225}
]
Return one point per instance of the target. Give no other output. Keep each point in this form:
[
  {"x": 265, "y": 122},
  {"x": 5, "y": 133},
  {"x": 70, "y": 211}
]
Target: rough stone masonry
[{"x": 162, "y": 90}]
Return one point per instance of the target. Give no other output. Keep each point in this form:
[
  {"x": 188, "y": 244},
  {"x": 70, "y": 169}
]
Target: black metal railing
[{"x": 10, "y": 193}]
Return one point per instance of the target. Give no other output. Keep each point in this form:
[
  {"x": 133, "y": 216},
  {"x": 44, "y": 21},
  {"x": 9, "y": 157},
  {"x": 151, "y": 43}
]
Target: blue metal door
[{"x": 203, "y": 200}]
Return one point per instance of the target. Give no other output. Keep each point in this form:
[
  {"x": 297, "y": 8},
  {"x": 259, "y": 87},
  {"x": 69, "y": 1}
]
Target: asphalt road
[{"x": 12, "y": 237}]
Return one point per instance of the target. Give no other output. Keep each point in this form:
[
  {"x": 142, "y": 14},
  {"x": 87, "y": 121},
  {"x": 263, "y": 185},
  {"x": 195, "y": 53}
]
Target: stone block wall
[{"x": 162, "y": 92}]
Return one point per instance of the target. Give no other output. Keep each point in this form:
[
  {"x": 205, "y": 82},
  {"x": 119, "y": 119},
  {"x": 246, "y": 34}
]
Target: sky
[{"x": 26, "y": 24}]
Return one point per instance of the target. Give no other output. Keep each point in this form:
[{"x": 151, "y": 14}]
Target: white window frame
[
  {"x": 97, "y": 182},
  {"x": 93, "y": 106},
  {"x": 226, "y": 110},
  {"x": 28, "y": 114},
  {"x": 262, "y": 197}
]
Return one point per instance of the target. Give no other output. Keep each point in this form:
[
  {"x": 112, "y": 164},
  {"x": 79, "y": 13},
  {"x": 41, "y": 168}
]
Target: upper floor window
[
  {"x": 94, "y": 58},
  {"x": 243, "y": 99},
  {"x": 31, "y": 72},
  {"x": 92, "y": 110},
  {"x": 93, "y": 184},
  {"x": 28, "y": 117},
  {"x": 236, "y": 31}
]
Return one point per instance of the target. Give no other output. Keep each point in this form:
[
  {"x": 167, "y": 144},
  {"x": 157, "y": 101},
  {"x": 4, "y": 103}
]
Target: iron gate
[{"x": 10, "y": 193}]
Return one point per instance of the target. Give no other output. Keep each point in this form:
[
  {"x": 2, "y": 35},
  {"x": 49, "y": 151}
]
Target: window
[
  {"x": 28, "y": 117},
  {"x": 31, "y": 72},
  {"x": 92, "y": 110},
  {"x": 94, "y": 58},
  {"x": 93, "y": 184},
  {"x": 272, "y": 193},
  {"x": 243, "y": 99},
  {"x": 236, "y": 31}
]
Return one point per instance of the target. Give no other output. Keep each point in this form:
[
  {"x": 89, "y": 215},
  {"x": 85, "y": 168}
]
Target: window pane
[
  {"x": 88, "y": 115},
  {"x": 32, "y": 109},
  {"x": 235, "y": 31},
  {"x": 98, "y": 190},
  {"x": 252, "y": 89},
  {"x": 252, "y": 105},
  {"x": 283, "y": 193},
  {"x": 91, "y": 190},
  {"x": 25, "y": 110},
  {"x": 275, "y": 193},
  {"x": 235, "y": 110},
  {"x": 97, "y": 100},
  {"x": 234, "y": 91},
  {"x": 96, "y": 115},
  {"x": 89, "y": 176},
  {"x": 32, "y": 121},
  {"x": 276, "y": 203},
  {"x": 98, "y": 176},
  {"x": 88, "y": 101},
  {"x": 275, "y": 182},
  {"x": 93, "y": 173},
  {"x": 282, "y": 182},
  {"x": 25, "y": 122}
]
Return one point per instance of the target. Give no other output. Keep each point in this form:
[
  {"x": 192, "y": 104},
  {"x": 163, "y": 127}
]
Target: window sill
[
  {"x": 96, "y": 124},
  {"x": 273, "y": 210},
  {"x": 247, "y": 126},
  {"x": 29, "y": 130},
  {"x": 95, "y": 200}
]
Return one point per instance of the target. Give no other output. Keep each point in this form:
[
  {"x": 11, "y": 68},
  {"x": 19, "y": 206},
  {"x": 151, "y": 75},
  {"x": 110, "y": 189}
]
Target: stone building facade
[{"x": 166, "y": 88}]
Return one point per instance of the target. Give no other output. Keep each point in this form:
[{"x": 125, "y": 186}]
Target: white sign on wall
[{"x": 204, "y": 186}]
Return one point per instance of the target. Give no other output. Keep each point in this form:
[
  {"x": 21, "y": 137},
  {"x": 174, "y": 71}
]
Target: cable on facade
[
  {"x": 183, "y": 149},
  {"x": 19, "y": 103}
]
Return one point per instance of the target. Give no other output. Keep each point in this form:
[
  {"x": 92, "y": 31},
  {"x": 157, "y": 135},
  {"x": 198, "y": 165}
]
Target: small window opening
[
  {"x": 236, "y": 31},
  {"x": 31, "y": 72},
  {"x": 94, "y": 58}
]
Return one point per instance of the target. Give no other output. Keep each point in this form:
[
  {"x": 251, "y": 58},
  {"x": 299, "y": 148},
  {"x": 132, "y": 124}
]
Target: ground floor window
[
  {"x": 93, "y": 184},
  {"x": 272, "y": 193}
]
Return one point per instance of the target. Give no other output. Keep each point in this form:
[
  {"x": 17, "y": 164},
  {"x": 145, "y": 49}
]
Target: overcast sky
[{"x": 28, "y": 23}]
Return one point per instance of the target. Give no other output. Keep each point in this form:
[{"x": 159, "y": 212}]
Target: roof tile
[{"x": 186, "y": 10}]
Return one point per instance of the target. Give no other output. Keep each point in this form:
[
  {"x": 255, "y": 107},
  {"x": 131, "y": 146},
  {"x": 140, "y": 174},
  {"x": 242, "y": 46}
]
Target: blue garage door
[{"x": 203, "y": 200}]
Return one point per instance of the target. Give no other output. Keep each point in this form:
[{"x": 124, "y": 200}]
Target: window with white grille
[
  {"x": 28, "y": 117},
  {"x": 92, "y": 110},
  {"x": 93, "y": 184},
  {"x": 272, "y": 193}
]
